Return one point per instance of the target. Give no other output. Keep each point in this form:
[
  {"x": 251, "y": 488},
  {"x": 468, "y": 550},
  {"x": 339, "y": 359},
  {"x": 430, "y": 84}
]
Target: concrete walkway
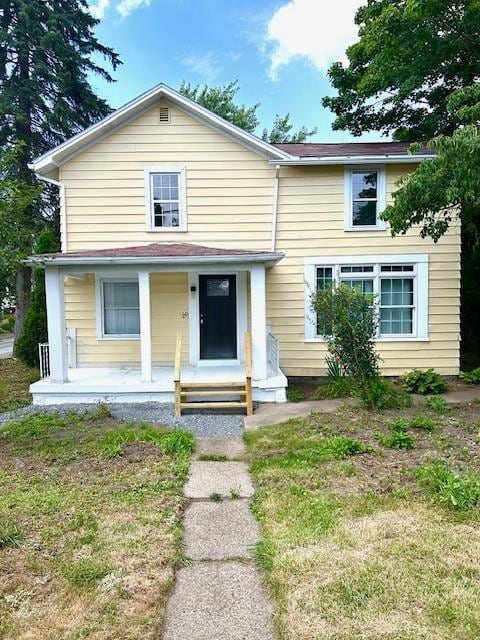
[
  {"x": 219, "y": 596},
  {"x": 6, "y": 345}
]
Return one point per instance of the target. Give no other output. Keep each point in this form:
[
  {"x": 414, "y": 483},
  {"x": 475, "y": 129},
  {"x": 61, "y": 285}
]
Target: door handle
[{"x": 201, "y": 318}]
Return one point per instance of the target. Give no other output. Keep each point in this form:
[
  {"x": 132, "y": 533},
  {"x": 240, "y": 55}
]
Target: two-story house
[{"x": 174, "y": 220}]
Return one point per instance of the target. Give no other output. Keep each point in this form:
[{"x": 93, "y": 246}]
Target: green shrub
[
  {"x": 7, "y": 323},
  {"x": 422, "y": 422},
  {"x": 397, "y": 438},
  {"x": 342, "y": 387},
  {"x": 423, "y": 382},
  {"x": 10, "y": 535},
  {"x": 35, "y": 323},
  {"x": 461, "y": 490},
  {"x": 471, "y": 377},
  {"x": 347, "y": 320},
  {"x": 86, "y": 573},
  {"x": 294, "y": 394},
  {"x": 377, "y": 393},
  {"x": 438, "y": 404}
]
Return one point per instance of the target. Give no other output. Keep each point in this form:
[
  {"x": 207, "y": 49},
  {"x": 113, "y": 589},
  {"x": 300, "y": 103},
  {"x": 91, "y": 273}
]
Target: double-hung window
[
  {"x": 119, "y": 309},
  {"x": 397, "y": 285},
  {"x": 165, "y": 199},
  {"x": 365, "y": 196}
]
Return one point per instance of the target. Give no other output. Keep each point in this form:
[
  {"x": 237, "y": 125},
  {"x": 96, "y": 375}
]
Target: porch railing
[
  {"x": 44, "y": 358},
  {"x": 273, "y": 354}
]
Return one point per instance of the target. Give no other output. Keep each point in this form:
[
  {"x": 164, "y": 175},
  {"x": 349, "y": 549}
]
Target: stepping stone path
[{"x": 219, "y": 596}]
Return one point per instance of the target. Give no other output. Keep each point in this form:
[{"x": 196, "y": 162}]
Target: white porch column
[
  {"x": 258, "y": 321},
  {"x": 145, "y": 325},
  {"x": 57, "y": 336}
]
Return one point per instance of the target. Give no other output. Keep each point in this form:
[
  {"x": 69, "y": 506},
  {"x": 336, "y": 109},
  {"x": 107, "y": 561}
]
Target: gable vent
[{"x": 164, "y": 115}]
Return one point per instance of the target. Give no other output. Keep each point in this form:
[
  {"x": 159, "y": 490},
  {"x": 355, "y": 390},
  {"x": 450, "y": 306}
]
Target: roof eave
[
  {"x": 44, "y": 261},
  {"x": 326, "y": 160}
]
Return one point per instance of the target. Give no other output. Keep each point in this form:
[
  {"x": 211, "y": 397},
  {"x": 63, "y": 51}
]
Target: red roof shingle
[
  {"x": 156, "y": 250},
  {"x": 333, "y": 149}
]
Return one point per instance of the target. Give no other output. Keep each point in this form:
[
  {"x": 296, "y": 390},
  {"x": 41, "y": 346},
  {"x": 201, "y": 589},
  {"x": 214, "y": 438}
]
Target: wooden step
[
  {"x": 212, "y": 405},
  {"x": 218, "y": 385},
  {"x": 213, "y": 392}
]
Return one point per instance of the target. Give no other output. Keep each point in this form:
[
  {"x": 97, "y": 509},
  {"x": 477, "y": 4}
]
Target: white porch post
[
  {"x": 258, "y": 321},
  {"x": 57, "y": 336},
  {"x": 145, "y": 325}
]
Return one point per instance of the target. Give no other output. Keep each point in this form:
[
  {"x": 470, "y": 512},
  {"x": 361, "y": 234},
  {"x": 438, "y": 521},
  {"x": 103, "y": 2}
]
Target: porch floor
[{"x": 124, "y": 384}]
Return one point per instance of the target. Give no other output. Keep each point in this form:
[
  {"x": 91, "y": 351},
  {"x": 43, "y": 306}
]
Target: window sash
[
  {"x": 169, "y": 211},
  {"x": 376, "y": 276},
  {"x": 122, "y": 313}
]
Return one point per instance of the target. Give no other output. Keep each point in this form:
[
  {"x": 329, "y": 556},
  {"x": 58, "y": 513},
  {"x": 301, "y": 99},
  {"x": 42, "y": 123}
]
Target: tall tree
[
  {"x": 221, "y": 100},
  {"x": 47, "y": 52},
  {"x": 414, "y": 74}
]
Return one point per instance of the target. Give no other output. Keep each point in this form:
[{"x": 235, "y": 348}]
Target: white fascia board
[
  {"x": 121, "y": 116},
  {"x": 385, "y": 159},
  {"x": 145, "y": 260}
]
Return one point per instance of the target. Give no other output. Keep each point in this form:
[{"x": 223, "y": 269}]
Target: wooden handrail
[
  {"x": 248, "y": 373},
  {"x": 176, "y": 374}
]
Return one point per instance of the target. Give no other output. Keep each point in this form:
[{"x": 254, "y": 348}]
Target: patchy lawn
[
  {"x": 15, "y": 378},
  {"x": 89, "y": 526},
  {"x": 371, "y": 523}
]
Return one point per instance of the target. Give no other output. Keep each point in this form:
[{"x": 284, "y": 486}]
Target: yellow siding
[
  {"x": 229, "y": 204},
  {"x": 311, "y": 223},
  {"x": 169, "y": 301}
]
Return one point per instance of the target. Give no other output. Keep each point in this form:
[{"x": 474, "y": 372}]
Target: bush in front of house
[
  {"x": 35, "y": 324},
  {"x": 347, "y": 320},
  {"x": 427, "y": 382},
  {"x": 471, "y": 377}
]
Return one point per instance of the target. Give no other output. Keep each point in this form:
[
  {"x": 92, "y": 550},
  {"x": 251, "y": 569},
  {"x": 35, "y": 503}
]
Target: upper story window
[
  {"x": 365, "y": 195},
  {"x": 165, "y": 195}
]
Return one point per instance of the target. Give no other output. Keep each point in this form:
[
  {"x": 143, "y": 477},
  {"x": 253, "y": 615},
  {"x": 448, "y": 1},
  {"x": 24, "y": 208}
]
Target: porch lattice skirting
[{"x": 206, "y": 395}]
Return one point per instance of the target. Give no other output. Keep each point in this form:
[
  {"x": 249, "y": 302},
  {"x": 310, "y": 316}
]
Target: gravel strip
[{"x": 200, "y": 424}]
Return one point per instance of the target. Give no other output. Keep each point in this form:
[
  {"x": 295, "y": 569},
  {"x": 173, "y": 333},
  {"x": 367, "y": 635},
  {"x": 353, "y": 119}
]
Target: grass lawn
[
  {"x": 89, "y": 526},
  {"x": 371, "y": 523},
  {"x": 15, "y": 378}
]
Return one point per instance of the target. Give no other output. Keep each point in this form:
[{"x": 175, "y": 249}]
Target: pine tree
[{"x": 46, "y": 56}]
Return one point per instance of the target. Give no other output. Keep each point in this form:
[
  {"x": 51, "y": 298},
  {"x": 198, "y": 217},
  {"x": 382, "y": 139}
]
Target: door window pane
[
  {"x": 121, "y": 308},
  {"x": 217, "y": 287}
]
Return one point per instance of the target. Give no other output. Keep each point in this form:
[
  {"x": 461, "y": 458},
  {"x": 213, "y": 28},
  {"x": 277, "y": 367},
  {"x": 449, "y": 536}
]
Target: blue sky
[{"x": 278, "y": 50}]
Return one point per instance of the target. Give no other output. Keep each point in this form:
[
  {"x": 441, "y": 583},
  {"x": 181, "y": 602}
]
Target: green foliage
[
  {"x": 86, "y": 573},
  {"x": 111, "y": 444},
  {"x": 377, "y": 393},
  {"x": 10, "y": 535},
  {"x": 7, "y": 324},
  {"x": 280, "y": 132},
  {"x": 471, "y": 377},
  {"x": 397, "y": 437},
  {"x": 216, "y": 497},
  {"x": 423, "y": 382},
  {"x": 352, "y": 324},
  {"x": 460, "y": 490},
  {"x": 295, "y": 394},
  {"x": 212, "y": 457},
  {"x": 222, "y": 101},
  {"x": 422, "y": 422},
  {"x": 35, "y": 324},
  {"x": 342, "y": 387},
  {"x": 438, "y": 404}
]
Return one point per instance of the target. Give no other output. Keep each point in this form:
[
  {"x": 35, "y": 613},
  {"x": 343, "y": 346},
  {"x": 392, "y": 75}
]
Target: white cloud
[
  {"x": 126, "y": 7},
  {"x": 319, "y": 30},
  {"x": 205, "y": 66},
  {"x": 98, "y": 10}
]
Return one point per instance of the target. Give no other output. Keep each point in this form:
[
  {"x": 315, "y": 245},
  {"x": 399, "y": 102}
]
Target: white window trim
[
  {"x": 381, "y": 197},
  {"x": 421, "y": 289},
  {"x": 182, "y": 196},
  {"x": 100, "y": 316}
]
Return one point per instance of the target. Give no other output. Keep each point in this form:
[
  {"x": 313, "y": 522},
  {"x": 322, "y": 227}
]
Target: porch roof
[{"x": 155, "y": 253}]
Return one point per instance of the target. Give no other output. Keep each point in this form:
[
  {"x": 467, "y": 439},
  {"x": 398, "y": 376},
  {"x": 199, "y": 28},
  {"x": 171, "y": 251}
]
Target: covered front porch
[{"x": 113, "y": 317}]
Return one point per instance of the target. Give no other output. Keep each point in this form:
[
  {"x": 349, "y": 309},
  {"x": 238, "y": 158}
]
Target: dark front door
[{"x": 218, "y": 317}]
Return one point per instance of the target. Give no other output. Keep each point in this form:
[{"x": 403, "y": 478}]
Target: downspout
[
  {"x": 63, "y": 222},
  {"x": 276, "y": 181}
]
